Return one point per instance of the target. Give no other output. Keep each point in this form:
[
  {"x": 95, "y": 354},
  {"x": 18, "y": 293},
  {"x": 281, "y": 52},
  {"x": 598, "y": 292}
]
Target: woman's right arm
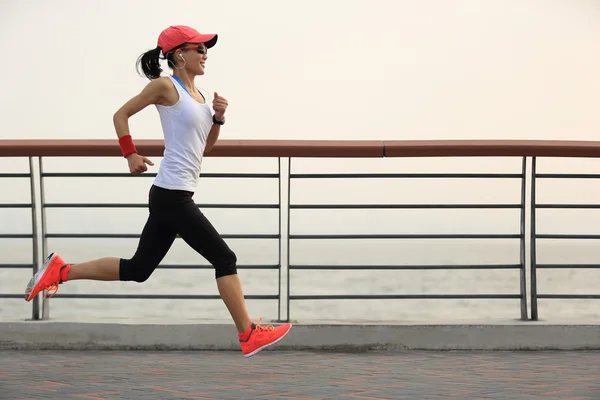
[{"x": 155, "y": 92}]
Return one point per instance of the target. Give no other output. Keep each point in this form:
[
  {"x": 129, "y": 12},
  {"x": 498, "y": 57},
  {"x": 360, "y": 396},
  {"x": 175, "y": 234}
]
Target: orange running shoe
[
  {"x": 260, "y": 337},
  {"x": 47, "y": 278}
]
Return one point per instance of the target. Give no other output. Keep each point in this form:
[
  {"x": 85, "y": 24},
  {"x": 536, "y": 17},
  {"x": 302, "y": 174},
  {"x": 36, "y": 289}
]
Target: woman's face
[{"x": 195, "y": 56}]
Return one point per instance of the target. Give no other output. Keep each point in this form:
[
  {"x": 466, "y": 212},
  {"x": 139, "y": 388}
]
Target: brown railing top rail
[{"x": 314, "y": 148}]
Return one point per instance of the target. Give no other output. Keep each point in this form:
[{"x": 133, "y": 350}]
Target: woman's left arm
[{"x": 220, "y": 106}]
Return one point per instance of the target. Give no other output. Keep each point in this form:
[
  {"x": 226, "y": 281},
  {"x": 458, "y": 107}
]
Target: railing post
[
  {"x": 289, "y": 248},
  {"x": 35, "y": 311},
  {"x": 279, "y": 183},
  {"x": 523, "y": 275},
  {"x": 283, "y": 237},
  {"x": 534, "y": 305},
  {"x": 45, "y": 300}
]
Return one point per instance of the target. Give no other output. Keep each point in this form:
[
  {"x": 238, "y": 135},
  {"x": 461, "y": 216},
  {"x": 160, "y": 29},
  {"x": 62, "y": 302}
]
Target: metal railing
[
  {"x": 285, "y": 152},
  {"x": 520, "y": 236},
  {"x": 49, "y": 235},
  {"x": 535, "y": 266},
  {"x": 32, "y": 205}
]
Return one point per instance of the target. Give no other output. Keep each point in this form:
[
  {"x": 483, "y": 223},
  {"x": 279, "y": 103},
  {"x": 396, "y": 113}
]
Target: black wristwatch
[{"x": 215, "y": 121}]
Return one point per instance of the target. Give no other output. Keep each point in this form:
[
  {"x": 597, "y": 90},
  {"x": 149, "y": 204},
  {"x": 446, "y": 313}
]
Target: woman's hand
[
  {"x": 137, "y": 163},
  {"x": 219, "y": 105}
]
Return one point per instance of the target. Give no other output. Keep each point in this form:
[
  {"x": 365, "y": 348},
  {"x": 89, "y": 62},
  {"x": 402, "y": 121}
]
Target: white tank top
[{"x": 186, "y": 125}]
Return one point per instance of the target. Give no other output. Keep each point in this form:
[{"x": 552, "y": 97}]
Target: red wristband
[{"x": 127, "y": 146}]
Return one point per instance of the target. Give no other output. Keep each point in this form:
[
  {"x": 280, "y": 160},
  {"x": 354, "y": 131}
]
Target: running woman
[{"x": 190, "y": 129}]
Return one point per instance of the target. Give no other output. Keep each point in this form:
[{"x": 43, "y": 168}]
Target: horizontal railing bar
[
  {"x": 15, "y": 205},
  {"x": 292, "y": 297},
  {"x": 156, "y": 296},
  {"x": 571, "y": 206},
  {"x": 16, "y": 236},
  {"x": 415, "y": 175},
  {"x": 399, "y": 206},
  {"x": 15, "y": 175},
  {"x": 564, "y": 236},
  {"x": 145, "y": 205},
  {"x": 408, "y": 236},
  {"x": 203, "y": 266},
  {"x": 150, "y": 175},
  {"x": 183, "y": 266},
  {"x": 404, "y": 267},
  {"x": 569, "y": 266},
  {"x": 404, "y": 296},
  {"x": 569, "y": 176},
  {"x": 376, "y": 148},
  {"x": 568, "y": 296},
  {"x": 16, "y": 266},
  {"x": 96, "y": 175},
  {"x": 137, "y": 235}
]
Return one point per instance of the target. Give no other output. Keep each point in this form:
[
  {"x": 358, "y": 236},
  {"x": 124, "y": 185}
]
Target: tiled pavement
[{"x": 299, "y": 375}]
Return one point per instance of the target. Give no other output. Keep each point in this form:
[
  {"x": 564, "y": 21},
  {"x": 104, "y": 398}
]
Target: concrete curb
[{"x": 57, "y": 335}]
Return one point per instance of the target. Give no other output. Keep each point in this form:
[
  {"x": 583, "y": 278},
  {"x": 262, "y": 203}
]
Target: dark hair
[{"x": 149, "y": 62}]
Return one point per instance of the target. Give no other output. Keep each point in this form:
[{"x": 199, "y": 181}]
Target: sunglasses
[{"x": 201, "y": 49}]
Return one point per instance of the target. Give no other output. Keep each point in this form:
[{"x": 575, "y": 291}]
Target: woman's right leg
[
  {"x": 102, "y": 269},
  {"x": 156, "y": 239}
]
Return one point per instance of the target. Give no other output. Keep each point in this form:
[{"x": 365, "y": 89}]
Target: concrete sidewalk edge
[{"x": 57, "y": 335}]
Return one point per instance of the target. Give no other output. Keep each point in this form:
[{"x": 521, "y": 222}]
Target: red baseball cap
[{"x": 176, "y": 35}]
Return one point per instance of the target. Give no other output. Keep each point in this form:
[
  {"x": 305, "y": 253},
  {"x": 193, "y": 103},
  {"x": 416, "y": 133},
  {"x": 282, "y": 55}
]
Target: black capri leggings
[{"x": 174, "y": 212}]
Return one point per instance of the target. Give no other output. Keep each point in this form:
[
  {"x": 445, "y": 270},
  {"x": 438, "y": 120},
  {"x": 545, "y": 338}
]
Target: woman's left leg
[{"x": 195, "y": 229}]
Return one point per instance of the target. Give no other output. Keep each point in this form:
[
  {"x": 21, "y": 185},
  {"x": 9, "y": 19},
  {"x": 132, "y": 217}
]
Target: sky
[{"x": 379, "y": 69}]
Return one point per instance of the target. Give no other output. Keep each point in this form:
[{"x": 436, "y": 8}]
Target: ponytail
[{"x": 149, "y": 63}]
